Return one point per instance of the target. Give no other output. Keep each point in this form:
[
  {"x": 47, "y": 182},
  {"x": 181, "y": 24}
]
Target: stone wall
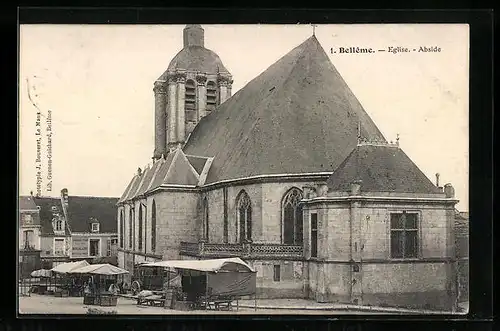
[
  {"x": 266, "y": 211},
  {"x": 176, "y": 221},
  {"x": 427, "y": 282},
  {"x": 291, "y": 281}
]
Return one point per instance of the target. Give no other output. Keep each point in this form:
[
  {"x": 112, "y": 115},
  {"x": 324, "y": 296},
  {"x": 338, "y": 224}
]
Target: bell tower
[{"x": 195, "y": 83}]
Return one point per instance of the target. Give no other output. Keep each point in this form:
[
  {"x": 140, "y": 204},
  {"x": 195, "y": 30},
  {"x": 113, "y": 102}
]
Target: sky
[{"x": 94, "y": 85}]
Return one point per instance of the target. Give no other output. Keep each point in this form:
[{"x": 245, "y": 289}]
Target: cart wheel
[{"x": 135, "y": 287}]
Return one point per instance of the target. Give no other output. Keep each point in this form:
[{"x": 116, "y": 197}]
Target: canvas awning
[
  {"x": 64, "y": 268},
  {"x": 100, "y": 269},
  {"x": 213, "y": 265},
  {"x": 41, "y": 273}
]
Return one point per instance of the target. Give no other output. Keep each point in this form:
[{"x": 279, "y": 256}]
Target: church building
[{"x": 292, "y": 175}]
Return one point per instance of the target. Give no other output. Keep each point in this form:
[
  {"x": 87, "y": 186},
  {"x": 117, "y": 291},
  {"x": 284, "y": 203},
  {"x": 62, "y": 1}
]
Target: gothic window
[
  {"x": 140, "y": 228},
  {"x": 211, "y": 96},
  {"x": 225, "y": 229},
  {"x": 153, "y": 227},
  {"x": 404, "y": 235},
  {"x": 205, "y": 219},
  {"x": 190, "y": 101},
  {"x": 244, "y": 207},
  {"x": 122, "y": 230},
  {"x": 130, "y": 227},
  {"x": 291, "y": 211}
]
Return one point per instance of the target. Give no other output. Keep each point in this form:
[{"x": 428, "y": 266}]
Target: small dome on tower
[{"x": 194, "y": 56}]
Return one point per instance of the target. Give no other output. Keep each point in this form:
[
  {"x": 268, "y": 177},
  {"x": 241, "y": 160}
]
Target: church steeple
[
  {"x": 194, "y": 84},
  {"x": 194, "y": 35}
]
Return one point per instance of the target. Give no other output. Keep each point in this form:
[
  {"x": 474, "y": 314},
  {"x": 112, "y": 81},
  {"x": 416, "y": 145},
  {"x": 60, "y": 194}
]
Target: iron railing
[{"x": 247, "y": 250}]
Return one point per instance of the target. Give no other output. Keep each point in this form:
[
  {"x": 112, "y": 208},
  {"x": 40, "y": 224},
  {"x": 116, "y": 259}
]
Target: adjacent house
[
  {"x": 76, "y": 228},
  {"x": 29, "y": 235},
  {"x": 462, "y": 251}
]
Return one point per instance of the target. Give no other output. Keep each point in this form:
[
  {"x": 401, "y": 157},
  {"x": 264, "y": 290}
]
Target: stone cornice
[
  {"x": 160, "y": 87},
  {"x": 180, "y": 77},
  {"x": 224, "y": 80},
  {"x": 201, "y": 79},
  {"x": 361, "y": 198}
]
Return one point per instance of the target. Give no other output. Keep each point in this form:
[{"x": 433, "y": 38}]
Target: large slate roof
[
  {"x": 381, "y": 168},
  {"x": 45, "y": 204},
  {"x": 83, "y": 208},
  {"x": 26, "y": 202},
  {"x": 175, "y": 169},
  {"x": 298, "y": 116}
]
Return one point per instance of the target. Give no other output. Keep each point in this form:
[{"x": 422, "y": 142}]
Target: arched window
[
  {"x": 140, "y": 228},
  {"x": 153, "y": 227},
  {"x": 130, "y": 228},
  {"x": 211, "y": 96},
  {"x": 122, "y": 230},
  {"x": 59, "y": 225},
  {"x": 190, "y": 96},
  {"x": 205, "y": 219},
  {"x": 244, "y": 210},
  {"x": 291, "y": 217}
]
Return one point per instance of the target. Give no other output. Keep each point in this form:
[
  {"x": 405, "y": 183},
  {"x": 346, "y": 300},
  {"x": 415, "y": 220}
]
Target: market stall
[
  {"x": 66, "y": 283},
  {"x": 99, "y": 276},
  {"x": 41, "y": 287},
  {"x": 213, "y": 284}
]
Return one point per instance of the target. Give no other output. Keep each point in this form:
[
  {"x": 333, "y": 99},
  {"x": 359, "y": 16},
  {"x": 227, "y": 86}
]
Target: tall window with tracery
[
  {"x": 244, "y": 206},
  {"x": 140, "y": 228},
  {"x": 153, "y": 227},
  {"x": 291, "y": 213},
  {"x": 205, "y": 219},
  {"x": 122, "y": 230},
  {"x": 130, "y": 227}
]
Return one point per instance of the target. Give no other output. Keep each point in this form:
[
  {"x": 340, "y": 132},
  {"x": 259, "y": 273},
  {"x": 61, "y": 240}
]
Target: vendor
[
  {"x": 113, "y": 289},
  {"x": 87, "y": 289}
]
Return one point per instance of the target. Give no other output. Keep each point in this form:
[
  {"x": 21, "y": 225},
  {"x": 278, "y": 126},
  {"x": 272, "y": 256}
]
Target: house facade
[
  {"x": 76, "y": 228},
  {"x": 292, "y": 175},
  {"x": 29, "y": 236}
]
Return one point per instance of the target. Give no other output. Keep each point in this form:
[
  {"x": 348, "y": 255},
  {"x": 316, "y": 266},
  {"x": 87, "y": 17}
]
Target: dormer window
[
  {"x": 27, "y": 219},
  {"x": 58, "y": 224},
  {"x": 95, "y": 227}
]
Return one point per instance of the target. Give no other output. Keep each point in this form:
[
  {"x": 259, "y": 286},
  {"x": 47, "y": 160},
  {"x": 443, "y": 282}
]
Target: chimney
[
  {"x": 437, "y": 179},
  {"x": 356, "y": 187},
  {"x": 449, "y": 191},
  {"x": 64, "y": 197},
  {"x": 31, "y": 193},
  {"x": 322, "y": 190}
]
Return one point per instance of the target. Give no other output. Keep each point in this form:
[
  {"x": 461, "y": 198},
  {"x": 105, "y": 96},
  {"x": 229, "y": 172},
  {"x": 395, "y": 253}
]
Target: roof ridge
[
  {"x": 174, "y": 157},
  {"x": 158, "y": 165},
  {"x": 193, "y": 170}
]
